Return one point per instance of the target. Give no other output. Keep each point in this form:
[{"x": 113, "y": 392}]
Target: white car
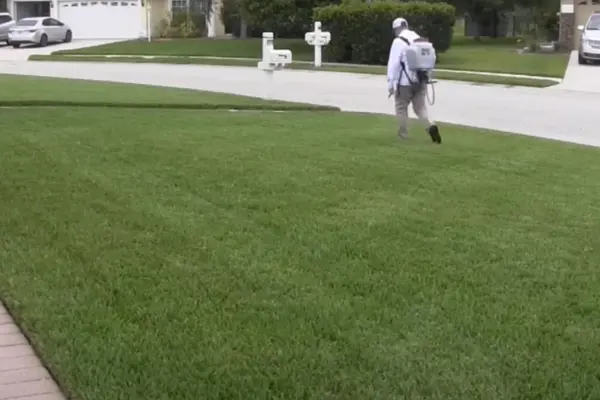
[
  {"x": 41, "y": 31},
  {"x": 589, "y": 46},
  {"x": 6, "y": 22}
]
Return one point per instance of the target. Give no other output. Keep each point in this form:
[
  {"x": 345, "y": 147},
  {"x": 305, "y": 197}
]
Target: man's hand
[{"x": 392, "y": 88}]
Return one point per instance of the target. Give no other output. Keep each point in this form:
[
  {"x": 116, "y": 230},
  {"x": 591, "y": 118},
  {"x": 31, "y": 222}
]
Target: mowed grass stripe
[{"x": 206, "y": 255}]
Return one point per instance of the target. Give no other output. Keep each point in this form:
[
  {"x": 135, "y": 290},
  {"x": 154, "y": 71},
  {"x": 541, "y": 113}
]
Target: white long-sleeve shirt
[{"x": 395, "y": 74}]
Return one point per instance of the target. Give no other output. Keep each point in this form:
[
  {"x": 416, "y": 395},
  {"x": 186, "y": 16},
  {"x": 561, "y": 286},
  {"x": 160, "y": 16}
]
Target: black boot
[{"x": 434, "y": 132}]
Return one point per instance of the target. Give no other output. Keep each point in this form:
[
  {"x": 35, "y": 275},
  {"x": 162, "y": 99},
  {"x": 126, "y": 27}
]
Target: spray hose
[{"x": 430, "y": 99}]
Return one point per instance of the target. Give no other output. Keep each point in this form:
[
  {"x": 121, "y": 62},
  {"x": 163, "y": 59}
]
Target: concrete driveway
[
  {"x": 554, "y": 114},
  {"x": 580, "y": 78},
  {"x": 7, "y": 53}
]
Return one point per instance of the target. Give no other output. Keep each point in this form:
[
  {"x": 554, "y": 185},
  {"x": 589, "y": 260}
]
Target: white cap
[{"x": 399, "y": 22}]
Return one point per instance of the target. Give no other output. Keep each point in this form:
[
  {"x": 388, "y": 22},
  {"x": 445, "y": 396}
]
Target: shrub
[
  {"x": 550, "y": 25},
  {"x": 182, "y": 24},
  {"x": 285, "y": 18},
  {"x": 164, "y": 26},
  {"x": 189, "y": 23},
  {"x": 362, "y": 33}
]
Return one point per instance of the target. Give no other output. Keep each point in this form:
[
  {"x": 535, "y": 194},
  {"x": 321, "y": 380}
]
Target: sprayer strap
[
  {"x": 405, "y": 73},
  {"x": 405, "y": 40}
]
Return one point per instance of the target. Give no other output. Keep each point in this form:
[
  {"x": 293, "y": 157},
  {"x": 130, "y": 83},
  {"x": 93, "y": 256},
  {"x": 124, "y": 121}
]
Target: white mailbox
[
  {"x": 273, "y": 59},
  {"x": 317, "y": 39},
  {"x": 281, "y": 57},
  {"x": 322, "y": 39}
]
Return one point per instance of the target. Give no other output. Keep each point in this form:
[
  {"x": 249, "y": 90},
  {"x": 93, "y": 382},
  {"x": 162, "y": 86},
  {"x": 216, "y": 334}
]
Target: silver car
[
  {"x": 589, "y": 46},
  {"x": 6, "y": 22},
  {"x": 41, "y": 31}
]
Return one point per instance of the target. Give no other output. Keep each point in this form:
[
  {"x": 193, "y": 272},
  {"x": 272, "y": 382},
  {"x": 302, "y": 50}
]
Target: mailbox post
[
  {"x": 318, "y": 39},
  {"x": 272, "y": 59}
]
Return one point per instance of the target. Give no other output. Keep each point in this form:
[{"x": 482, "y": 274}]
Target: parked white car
[
  {"x": 41, "y": 31},
  {"x": 589, "y": 46},
  {"x": 6, "y": 22}
]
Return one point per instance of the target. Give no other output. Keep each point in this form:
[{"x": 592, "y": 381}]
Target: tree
[
  {"x": 544, "y": 18},
  {"x": 487, "y": 13},
  {"x": 484, "y": 13},
  {"x": 234, "y": 18}
]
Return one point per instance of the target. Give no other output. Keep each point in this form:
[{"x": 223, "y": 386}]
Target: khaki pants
[{"x": 418, "y": 97}]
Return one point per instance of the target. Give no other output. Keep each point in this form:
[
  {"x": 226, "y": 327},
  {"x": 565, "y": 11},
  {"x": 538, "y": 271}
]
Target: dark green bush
[
  {"x": 550, "y": 25},
  {"x": 285, "y": 18},
  {"x": 362, "y": 33},
  {"x": 232, "y": 19}
]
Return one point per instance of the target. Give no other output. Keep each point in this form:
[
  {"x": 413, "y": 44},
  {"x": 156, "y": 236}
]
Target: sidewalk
[
  {"x": 7, "y": 53},
  {"x": 22, "y": 375}
]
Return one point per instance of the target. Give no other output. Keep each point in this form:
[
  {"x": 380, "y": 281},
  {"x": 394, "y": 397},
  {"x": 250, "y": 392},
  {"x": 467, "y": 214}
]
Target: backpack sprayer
[{"x": 421, "y": 58}]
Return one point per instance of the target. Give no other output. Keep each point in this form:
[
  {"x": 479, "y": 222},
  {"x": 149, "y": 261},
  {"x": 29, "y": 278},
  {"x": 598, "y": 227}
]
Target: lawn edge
[
  {"x": 171, "y": 106},
  {"x": 37, "y": 351},
  {"x": 447, "y": 75}
]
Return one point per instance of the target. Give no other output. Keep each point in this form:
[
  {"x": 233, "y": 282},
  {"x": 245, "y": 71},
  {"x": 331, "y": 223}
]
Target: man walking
[{"x": 404, "y": 84}]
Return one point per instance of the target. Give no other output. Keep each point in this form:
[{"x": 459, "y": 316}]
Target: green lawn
[
  {"x": 189, "y": 255},
  {"x": 250, "y": 48},
  {"x": 502, "y": 57},
  {"x": 39, "y": 89},
  {"x": 490, "y": 56}
]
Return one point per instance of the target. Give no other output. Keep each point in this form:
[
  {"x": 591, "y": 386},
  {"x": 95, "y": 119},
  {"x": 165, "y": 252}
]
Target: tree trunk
[
  {"x": 478, "y": 28},
  {"x": 495, "y": 23},
  {"x": 243, "y": 29}
]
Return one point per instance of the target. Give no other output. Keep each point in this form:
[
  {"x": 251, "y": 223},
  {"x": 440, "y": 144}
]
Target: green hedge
[
  {"x": 362, "y": 33},
  {"x": 285, "y": 18}
]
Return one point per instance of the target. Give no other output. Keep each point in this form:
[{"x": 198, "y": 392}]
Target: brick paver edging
[{"x": 22, "y": 375}]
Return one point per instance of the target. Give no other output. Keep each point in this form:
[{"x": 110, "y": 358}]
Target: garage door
[{"x": 102, "y": 19}]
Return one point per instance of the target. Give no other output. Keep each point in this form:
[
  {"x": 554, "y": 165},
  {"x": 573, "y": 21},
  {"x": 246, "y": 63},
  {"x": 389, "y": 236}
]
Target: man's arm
[{"x": 393, "y": 67}]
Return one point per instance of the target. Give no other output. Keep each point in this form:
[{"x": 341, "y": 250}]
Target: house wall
[
  {"x": 566, "y": 20},
  {"x": 158, "y": 11}
]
